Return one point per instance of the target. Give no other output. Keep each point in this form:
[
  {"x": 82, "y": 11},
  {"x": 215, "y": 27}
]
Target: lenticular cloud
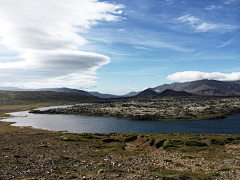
[
  {"x": 197, "y": 75},
  {"x": 46, "y": 35}
]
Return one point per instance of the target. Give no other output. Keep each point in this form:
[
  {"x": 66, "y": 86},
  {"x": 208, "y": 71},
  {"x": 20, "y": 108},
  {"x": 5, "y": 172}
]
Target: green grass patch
[{"x": 164, "y": 173}]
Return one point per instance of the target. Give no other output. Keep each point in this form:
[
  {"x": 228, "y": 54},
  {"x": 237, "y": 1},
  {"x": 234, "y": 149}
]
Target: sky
[{"x": 119, "y": 46}]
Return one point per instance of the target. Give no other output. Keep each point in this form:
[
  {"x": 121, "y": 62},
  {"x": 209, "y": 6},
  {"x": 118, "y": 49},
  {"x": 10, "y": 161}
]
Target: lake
[{"x": 96, "y": 124}]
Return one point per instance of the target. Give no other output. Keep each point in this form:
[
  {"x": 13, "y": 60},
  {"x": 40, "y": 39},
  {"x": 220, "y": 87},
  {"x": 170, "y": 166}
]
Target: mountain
[
  {"x": 204, "y": 87},
  {"x": 211, "y": 87},
  {"x": 68, "y": 90},
  {"x": 163, "y": 87},
  {"x": 170, "y": 92},
  {"x": 131, "y": 94},
  {"x": 147, "y": 93},
  {"x": 112, "y": 96},
  {"x": 33, "y": 97},
  {"x": 103, "y": 95}
]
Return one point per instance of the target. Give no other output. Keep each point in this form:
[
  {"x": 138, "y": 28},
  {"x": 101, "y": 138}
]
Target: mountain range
[
  {"x": 203, "y": 87},
  {"x": 200, "y": 87}
]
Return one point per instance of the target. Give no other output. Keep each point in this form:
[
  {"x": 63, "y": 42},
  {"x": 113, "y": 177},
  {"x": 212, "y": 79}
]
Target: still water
[{"x": 94, "y": 124}]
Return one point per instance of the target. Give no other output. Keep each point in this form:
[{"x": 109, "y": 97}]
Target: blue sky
[{"x": 117, "y": 46}]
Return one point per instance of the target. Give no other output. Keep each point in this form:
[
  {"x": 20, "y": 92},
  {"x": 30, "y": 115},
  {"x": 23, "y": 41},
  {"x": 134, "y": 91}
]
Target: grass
[{"x": 164, "y": 173}]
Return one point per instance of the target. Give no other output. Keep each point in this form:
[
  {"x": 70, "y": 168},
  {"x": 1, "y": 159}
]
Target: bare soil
[{"x": 35, "y": 154}]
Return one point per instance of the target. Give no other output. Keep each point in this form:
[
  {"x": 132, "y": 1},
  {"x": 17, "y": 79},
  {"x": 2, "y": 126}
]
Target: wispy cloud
[
  {"x": 198, "y": 75},
  {"x": 45, "y": 34},
  {"x": 200, "y": 26},
  {"x": 212, "y": 7},
  {"x": 229, "y": 1},
  {"x": 159, "y": 44},
  {"x": 198, "y": 54},
  {"x": 230, "y": 41}
]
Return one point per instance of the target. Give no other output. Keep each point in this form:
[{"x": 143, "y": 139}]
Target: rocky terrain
[
  {"x": 35, "y": 155},
  {"x": 160, "y": 108}
]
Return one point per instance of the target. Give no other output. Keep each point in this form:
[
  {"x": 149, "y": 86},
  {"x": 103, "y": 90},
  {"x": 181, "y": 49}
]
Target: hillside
[
  {"x": 204, "y": 87},
  {"x": 211, "y": 87},
  {"x": 170, "y": 92},
  {"x": 163, "y": 87},
  {"x": 28, "y": 97},
  {"x": 64, "y": 89},
  {"x": 68, "y": 90},
  {"x": 103, "y": 95},
  {"x": 147, "y": 93}
]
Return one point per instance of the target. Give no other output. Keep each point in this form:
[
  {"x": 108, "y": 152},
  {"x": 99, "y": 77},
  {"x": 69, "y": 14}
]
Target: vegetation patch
[
  {"x": 167, "y": 144},
  {"x": 164, "y": 173},
  {"x": 195, "y": 143}
]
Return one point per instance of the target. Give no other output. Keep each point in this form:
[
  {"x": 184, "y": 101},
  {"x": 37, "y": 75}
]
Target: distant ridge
[
  {"x": 147, "y": 93},
  {"x": 64, "y": 89},
  {"x": 170, "y": 92},
  {"x": 131, "y": 94},
  {"x": 68, "y": 90},
  {"x": 204, "y": 87},
  {"x": 103, "y": 95}
]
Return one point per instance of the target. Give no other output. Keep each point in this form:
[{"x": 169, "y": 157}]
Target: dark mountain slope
[
  {"x": 147, "y": 93},
  {"x": 170, "y": 92}
]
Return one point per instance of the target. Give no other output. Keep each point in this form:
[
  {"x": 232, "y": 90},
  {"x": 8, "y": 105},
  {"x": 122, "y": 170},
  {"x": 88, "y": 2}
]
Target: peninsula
[{"x": 158, "y": 108}]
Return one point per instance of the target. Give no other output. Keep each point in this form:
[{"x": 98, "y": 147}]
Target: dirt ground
[{"x": 26, "y": 153}]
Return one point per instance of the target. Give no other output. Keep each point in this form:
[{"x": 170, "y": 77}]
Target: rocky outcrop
[{"x": 161, "y": 108}]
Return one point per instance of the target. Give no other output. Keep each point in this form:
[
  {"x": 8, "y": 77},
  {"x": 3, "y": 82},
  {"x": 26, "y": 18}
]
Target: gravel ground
[{"x": 50, "y": 156}]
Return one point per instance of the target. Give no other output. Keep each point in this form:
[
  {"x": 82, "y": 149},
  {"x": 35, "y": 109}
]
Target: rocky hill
[{"x": 204, "y": 87}]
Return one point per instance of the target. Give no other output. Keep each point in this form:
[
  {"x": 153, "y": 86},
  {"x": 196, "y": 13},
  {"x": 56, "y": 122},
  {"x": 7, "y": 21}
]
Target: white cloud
[
  {"x": 46, "y": 35},
  {"x": 212, "y": 7},
  {"x": 189, "y": 19},
  {"x": 206, "y": 26},
  {"x": 200, "y": 26},
  {"x": 198, "y": 75}
]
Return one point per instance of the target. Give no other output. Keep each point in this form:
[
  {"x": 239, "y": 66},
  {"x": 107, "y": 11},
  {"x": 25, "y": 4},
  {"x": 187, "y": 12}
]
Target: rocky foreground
[
  {"x": 161, "y": 108},
  {"x": 119, "y": 156}
]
